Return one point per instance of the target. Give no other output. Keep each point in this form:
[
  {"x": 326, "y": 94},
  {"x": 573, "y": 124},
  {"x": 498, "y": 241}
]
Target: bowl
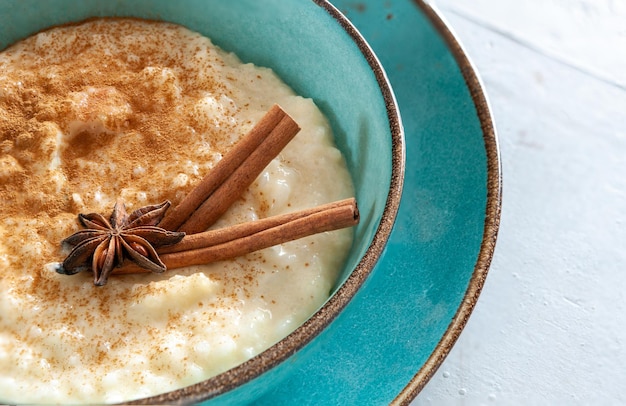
[{"x": 320, "y": 54}]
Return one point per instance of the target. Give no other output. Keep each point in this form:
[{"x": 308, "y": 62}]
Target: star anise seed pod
[{"x": 105, "y": 244}]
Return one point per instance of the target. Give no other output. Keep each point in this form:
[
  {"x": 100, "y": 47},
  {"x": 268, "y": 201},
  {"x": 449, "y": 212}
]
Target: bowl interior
[
  {"x": 300, "y": 41},
  {"x": 310, "y": 51}
]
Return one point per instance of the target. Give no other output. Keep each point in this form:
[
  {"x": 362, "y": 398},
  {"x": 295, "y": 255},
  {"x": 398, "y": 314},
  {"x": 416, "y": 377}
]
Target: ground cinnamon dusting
[
  {"x": 91, "y": 97},
  {"x": 142, "y": 110}
]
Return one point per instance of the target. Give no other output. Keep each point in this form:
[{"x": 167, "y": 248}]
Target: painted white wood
[
  {"x": 587, "y": 34},
  {"x": 550, "y": 326}
]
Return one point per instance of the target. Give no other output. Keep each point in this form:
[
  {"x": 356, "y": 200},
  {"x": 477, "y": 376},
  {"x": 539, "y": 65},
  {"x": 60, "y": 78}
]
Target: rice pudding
[{"x": 143, "y": 110}]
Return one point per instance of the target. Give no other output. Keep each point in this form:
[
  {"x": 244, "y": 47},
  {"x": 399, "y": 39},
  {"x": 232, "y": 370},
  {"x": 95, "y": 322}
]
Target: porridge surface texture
[{"x": 143, "y": 110}]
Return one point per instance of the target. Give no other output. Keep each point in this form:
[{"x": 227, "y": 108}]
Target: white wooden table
[{"x": 550, "y": 326}]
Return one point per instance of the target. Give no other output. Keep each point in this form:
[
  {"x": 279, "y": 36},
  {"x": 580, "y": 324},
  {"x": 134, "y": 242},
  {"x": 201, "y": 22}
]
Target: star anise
[{"x": 105, "y": 244}]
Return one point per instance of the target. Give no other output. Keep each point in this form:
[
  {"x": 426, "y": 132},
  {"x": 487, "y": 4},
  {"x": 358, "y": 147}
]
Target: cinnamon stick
[
  {"x": 225, "y": 183},
  {"x": 241, "y": 239}
]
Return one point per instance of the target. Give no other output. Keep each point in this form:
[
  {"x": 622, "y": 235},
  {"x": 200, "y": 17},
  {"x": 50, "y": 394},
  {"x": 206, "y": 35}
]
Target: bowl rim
[
  {"x": 312, "y": 327},
  {"x": 492, "y": 212}
]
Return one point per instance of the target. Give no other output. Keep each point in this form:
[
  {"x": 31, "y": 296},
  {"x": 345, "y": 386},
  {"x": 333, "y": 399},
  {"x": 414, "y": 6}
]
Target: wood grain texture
[{"x": 548, "y": 328}]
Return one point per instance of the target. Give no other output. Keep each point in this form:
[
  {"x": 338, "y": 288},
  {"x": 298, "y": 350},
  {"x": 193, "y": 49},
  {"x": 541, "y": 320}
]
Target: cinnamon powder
[{"x": 143, "y": 110}]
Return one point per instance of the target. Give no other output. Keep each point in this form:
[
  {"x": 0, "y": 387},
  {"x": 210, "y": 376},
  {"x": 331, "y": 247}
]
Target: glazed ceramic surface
[
  {"x": 392, "y": 337},
  {"x": 314, "y": 50}
]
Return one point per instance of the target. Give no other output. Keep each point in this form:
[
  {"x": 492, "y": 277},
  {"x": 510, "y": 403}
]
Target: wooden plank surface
[{"x": 550, "y": 326}]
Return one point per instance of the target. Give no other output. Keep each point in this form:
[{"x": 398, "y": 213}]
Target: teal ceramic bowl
[
  {"x": 321, "y": 56},
  {"x": 396, "y": 332}
]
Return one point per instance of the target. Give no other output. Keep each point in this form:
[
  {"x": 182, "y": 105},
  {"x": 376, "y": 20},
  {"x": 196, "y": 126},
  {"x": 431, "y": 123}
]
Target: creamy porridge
[{"x": 143, "y": 110}]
